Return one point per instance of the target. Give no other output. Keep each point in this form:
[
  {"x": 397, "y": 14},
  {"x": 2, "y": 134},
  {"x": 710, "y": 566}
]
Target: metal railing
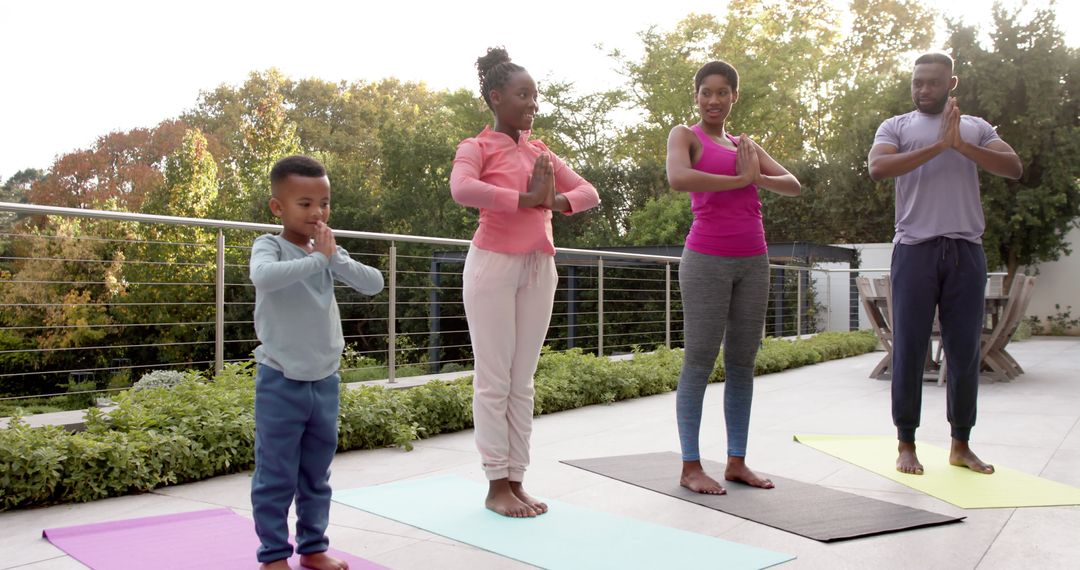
[{"x": 102, "y": 296}]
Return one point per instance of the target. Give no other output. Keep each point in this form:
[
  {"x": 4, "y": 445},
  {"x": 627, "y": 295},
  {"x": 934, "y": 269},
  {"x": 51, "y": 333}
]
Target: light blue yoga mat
[{"x": 565, "y": 537}]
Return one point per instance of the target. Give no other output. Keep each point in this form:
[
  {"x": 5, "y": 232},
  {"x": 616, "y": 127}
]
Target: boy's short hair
[
  {"x": 298, "y": 165},
  {"x": 936, "y": 57}
]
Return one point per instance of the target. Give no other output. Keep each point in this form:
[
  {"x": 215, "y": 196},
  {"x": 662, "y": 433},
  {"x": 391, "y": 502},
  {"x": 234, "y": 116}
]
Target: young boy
[{"x": 296, "y": 384}]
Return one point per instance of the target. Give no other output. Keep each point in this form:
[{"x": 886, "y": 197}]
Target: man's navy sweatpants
[{"x": 948, "y": 275}]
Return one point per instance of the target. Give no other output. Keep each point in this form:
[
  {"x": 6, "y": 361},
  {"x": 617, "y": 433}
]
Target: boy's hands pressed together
[{"x": 324, "y": 240}]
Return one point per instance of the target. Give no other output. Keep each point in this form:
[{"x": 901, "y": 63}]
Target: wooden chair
[
  {"x": 995, "y": 359},
  {"x": 876, "y": 296},
  {"x": 877, "y": 302}
]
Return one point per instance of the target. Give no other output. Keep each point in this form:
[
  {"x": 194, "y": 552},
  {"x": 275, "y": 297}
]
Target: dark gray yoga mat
[{"x": 807, "y": 510}]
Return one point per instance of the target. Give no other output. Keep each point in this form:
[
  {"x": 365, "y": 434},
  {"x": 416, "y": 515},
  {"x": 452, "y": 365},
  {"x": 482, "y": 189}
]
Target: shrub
[
  {"x": 30, "y": 463},
  {"x": 161, "y": 379},
  {"x": 372, "y": 417},
  {"x": 80, "y": 394},
  {"x": 438, "y": 407},
  {"x": 200, "y": 428}
]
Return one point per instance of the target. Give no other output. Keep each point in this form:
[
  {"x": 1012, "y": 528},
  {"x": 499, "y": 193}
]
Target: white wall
[
  {"x": 834, "y": 289},
  {"x": 1059, "y": 282}
]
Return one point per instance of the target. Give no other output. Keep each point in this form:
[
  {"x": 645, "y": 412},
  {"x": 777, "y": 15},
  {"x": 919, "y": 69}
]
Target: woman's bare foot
[
  {"x": 737, "y": 470},
  {"x": 502, "y": 500},
  {"x": 694, "y": 478},
  {"x": 282, "y": 564},
  {"x": 908, "y": 462},
  {"x": 519, "y": 491},
  {"x": 961, "y": 456}
]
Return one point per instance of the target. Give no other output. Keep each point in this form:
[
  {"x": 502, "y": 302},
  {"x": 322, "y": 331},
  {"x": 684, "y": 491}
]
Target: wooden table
[{"x": 998, "y": 326}]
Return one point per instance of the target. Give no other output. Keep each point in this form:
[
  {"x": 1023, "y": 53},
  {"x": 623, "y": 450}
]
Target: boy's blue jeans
[{"x": 295, "y": 440}]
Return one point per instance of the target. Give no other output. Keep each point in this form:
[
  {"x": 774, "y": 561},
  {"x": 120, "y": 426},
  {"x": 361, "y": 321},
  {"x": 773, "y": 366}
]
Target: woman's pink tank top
[{"x": 725, "y": 223}]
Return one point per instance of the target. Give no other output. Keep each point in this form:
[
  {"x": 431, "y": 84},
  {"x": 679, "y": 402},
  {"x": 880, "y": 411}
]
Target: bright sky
[{"x": 76, "y": 70}]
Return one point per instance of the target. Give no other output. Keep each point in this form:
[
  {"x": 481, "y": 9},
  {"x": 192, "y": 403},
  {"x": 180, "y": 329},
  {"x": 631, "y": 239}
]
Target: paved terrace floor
[{"x": 1031, "y": 424}]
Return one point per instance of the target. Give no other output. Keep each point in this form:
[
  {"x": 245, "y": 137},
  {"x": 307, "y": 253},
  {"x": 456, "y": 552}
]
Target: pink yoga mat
[{"x": 218, "y": 539}]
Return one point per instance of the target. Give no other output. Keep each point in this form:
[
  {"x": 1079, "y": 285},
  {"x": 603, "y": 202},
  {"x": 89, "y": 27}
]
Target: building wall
[{"x": 1059, "y": 282}]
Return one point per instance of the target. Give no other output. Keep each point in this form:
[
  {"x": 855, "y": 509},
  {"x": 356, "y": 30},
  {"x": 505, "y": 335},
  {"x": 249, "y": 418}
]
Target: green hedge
[{"x": 200, "y": 429}]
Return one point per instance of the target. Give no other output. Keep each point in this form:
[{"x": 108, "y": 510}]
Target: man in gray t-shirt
[{"x": 938, "y": 264}]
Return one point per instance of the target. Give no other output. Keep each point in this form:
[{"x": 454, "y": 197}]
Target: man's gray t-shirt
[{"x": 941, "y": 197}]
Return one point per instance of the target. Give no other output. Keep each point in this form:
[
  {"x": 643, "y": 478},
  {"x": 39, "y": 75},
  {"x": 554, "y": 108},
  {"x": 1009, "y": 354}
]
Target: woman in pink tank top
[{"x": 724, "y": 272}]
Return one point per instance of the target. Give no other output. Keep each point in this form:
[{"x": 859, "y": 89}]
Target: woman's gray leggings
[{"x": 720, "y": 295}]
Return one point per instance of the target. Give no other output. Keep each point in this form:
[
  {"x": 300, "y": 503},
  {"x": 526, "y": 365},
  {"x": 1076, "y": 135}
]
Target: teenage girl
[{"x": 509, "y": 279}]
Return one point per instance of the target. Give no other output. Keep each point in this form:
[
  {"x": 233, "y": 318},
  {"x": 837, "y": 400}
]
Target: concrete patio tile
[
  {"x": 1072, "y": 441},
  {"x": 62, "y": 562},
  {"x": 436, "y": 554},
  {"x": 365, "y": 543},
  {"x": 1036, "y": 538},
  {"x": 361, "y": 468},
  {"x": 1040, "y": 430},
  {"x": 230, "y": 491},
  {"x": 1064, "y": 467}
]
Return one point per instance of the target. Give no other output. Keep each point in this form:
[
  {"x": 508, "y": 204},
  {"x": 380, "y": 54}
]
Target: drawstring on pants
[
  {"x": 533, "y": 262},
  {"x": 946, "y": 245}
]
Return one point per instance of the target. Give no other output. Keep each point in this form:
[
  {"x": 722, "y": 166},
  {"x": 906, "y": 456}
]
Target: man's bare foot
[
  {"x": 694, "y": 478},
  {"x": 737, "y": 470},
  {"x": 961, "y": 456},
  {"x": 519, "y": 491},
  {"x": 502, "y": 500},
  {"x": 282, "y": 564},
  {"x": 908, "y": 462}
]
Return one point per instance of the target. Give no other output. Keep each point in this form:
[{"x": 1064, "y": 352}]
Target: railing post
[
  {"x": 571, "y": 306},
  {"x": 435, "y": 319},
  {"x": 798, "y": 302},
  {"x": 219, "y": 305},
  {"x": 600, "y": 306},
  {"x": 391, "y": 319},
  {"x": 667, "y": 305},
  {"x": 828, "y": 295}
]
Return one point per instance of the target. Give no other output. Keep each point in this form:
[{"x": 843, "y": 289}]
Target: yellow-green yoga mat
[{"x": 957, "y": 485}]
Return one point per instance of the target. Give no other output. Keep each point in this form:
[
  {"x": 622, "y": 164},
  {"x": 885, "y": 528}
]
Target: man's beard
[{"x": 935, "y": 107}]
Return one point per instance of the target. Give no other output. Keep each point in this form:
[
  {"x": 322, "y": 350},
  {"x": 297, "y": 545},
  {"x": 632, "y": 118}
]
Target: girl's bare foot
[
  {"x": 519, "y": 491},
  {"x": 737, "y": 470},
  {"x": 502, "y": 500},
  {"x": 694, "y": 478},
  {"x": 962, "y": 456},
  {"x": 282, "y": 564},
  {"x": 908, "y": 462},
  {"x": 322, "y": 561}
]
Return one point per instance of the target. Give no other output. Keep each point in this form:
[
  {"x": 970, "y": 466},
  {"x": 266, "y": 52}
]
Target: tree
[
  {"x": 663, "y": 221},
  {"x": 582, "y": 129},
  {"x": 1025, "y": 82},
  {"x": 56, "y": 297},
  {"x": 184, "y": 292},
  {"x": 247, "y": 129},
  {"x": 15, "y": 189},
  {"x": 121, "y": 167}
]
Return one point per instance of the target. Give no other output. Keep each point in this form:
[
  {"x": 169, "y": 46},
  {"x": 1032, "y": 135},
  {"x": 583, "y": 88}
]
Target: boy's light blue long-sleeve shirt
[{"x": 296, "y": 315}]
